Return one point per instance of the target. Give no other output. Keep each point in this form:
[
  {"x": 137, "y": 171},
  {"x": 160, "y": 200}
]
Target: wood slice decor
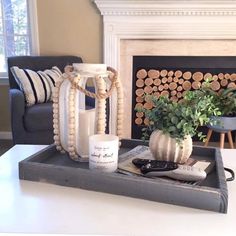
[
  {"x": 187, "y": 85},
  {"x": 157, "y": 82},
  {"x": 170, "y": 73},
  {"x": 174, "y": 98},
  {"x": 161, "y": 87},
  {"x": 146, "y": 121},
  {"x": 153, "y": 74},
  {"x": 141, "y": 74},
  {"x": 221, "y": 76},
  {"x": 155, "y": 88},
  {"x": 179, "y": 88},
  {"x": 231, "y": 85},
  {"x": 164, "y": 73},
  {"x": 148, "y": 105},
  {"x": 148, "y": 89},
  {"x": 233, "y": 77},
  {"x": 164, "y": 80},
  {"x": 197, "y": 76},
  {"x": 178, "y": 73},
  {"x": 173, "y": 92},
  {"x": 140, "y": 83},
  {"x": 165, "y": 93},
  {"x": 157, "y": 94},
  {"x": 187, "y": 75},
  {"x": 224, "y": 82},
  {"x": 148, "y": 81},
  {"x": 172, "y": 85},
  {"x": 166, "y": 86},
  {"x": 139, "y": 114},
  {"x": 176, "y": 79},
  {"x": 138, "y": 106},
  {"x": 196, "y": 85},
  {"x": 215, "y": 85},
  {"x": 169, "y": 79},
  {"x": 139, "y": 92},
  {"x": 227, "y": 76},
  {"x": 179, "y": 95},
  {"x": 207, "y": 76},
  {"x": 138, "y": 121},
  {"x": 181, "y": 81},
  {"x": 139, "y": 99}
]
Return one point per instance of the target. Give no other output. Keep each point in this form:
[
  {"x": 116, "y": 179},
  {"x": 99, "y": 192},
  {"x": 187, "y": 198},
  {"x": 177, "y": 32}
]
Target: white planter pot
[{"x": 165, "y": 148}]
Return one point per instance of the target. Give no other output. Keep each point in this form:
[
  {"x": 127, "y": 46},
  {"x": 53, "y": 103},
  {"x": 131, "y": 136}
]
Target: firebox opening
[{"x": 172, "y": 76}]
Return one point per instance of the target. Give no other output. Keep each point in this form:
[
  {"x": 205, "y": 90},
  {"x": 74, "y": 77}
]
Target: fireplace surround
[{"x": 163, "y": 28}]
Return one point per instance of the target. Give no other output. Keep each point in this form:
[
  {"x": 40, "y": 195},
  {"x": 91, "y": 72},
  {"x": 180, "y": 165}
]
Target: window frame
[{"x": 33, "y": 25}]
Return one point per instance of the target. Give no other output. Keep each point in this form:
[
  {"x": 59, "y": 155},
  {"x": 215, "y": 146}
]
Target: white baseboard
[{"x": 5, "y": 135}]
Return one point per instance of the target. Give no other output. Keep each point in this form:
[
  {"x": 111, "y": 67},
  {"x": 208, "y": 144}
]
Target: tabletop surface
[{"x": 32, "y": 207}]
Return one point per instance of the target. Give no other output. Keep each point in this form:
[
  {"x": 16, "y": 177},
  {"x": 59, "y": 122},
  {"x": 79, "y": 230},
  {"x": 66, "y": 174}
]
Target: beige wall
[
  {"x": 65, "y": 27},
  {"x": 70, "y": 27}
]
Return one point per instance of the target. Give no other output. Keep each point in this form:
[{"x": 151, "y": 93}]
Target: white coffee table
[{"x": 32, "y": 207}]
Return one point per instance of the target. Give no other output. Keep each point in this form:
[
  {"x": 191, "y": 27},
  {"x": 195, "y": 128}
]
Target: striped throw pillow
[{"x": 37, "y": 86}]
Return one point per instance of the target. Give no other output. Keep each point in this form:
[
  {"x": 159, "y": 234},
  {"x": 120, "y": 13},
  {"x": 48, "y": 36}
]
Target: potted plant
[
  {"x": 225, "y": 101},
  {"x": 172, "y": 124}
]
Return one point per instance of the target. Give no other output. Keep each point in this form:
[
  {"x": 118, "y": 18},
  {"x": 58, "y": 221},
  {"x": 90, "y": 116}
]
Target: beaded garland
[{"x": 100, "y": 97}]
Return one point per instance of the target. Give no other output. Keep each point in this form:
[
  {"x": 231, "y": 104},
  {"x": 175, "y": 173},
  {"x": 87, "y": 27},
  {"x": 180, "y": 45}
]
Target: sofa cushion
[
  {"x": 37, "y": 86},
  {"x": 38, "y": 117}
]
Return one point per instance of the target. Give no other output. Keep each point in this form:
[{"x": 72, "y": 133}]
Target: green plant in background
[
  {"x": 224, "y": 100},
  {"x": 180, "y": 119}
]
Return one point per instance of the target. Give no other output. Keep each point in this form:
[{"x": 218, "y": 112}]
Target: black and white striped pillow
[{"x": 37, "y": 86}]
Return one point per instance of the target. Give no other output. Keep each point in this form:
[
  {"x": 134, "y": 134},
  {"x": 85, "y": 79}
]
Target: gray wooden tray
[{"x": 50, "y": 166}]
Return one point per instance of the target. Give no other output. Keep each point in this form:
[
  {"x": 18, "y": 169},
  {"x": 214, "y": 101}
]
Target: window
[{"x": 15, "y": 31}]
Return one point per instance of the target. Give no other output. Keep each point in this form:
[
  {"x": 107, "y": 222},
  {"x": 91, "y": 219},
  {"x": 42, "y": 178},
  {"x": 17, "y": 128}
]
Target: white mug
[{"x": 103, "y": 152}]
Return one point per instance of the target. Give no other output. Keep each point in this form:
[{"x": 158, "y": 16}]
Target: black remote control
[
  {"x": 159, "y": 166},
  {"x": 154, "y": 164},
  {"x": 138, "y": 162},
  {"x": 154, "y": 168}
]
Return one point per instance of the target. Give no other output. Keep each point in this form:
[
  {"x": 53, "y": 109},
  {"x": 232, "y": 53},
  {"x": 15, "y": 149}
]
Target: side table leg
[
  {"x": 209, "y": 133},
  {"x": 222, "y": 140},
  {"x": 229, "y": 135}
]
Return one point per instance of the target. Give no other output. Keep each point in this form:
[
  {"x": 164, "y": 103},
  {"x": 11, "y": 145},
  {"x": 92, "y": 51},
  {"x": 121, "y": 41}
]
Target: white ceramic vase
[{"x": 165, "y": 148}]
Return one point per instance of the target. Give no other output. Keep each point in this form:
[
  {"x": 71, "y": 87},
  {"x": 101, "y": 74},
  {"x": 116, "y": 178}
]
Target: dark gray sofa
[{"x": 33, "y": 125}]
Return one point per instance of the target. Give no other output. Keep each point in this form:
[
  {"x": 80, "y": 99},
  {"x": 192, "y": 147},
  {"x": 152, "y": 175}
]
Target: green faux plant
[
  {"x": 224, "y": 100},
  {"x": 180, "y": 119}
]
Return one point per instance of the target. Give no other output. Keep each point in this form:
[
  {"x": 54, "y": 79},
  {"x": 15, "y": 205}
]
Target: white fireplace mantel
[{"x": 163, "y": 19}]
